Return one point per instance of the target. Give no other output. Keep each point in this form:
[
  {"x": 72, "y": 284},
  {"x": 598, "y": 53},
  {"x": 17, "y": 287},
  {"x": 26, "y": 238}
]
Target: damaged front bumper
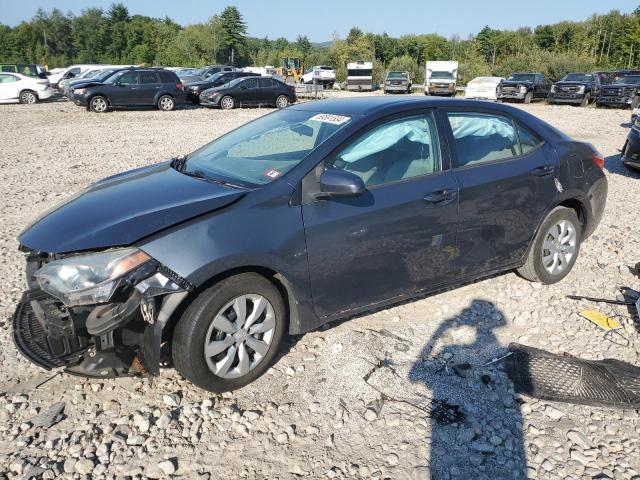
[{"x": 118, "y": 338}]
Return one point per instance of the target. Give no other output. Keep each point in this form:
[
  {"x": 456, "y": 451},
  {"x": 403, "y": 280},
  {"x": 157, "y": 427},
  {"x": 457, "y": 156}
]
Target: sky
[{"x": 320, "y": 19}]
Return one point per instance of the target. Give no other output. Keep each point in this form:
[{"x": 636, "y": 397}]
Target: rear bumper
[
  {"x": 597, "y": 200},
  {"x": 46, "y": 93}
]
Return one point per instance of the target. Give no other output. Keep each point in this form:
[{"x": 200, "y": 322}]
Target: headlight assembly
[
  {"x": 580, "y": 89},
  {"x": 88, "y": 279},
  {"x": 79, "y": 91},
  {"x": 523, "y": 89}
]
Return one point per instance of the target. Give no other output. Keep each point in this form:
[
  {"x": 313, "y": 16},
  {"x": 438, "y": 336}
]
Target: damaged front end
[{"x": 96, "y": 315}]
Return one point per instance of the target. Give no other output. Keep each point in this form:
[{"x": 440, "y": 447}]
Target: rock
[
  {"x": 579, "y": 457},
  {"x": 163, "y": 421},
  {"x": 553, "y": 413},
  {"x": 111, "y": 407},
  {"x": 50, "y": 416},
  {"x": 84, "y": 466},
  {"x": 69, "y": 465},
  {"x": 167, "y": 467},
  {"x": 141, "y": 423},
  {"x": 282, "y": 438},
  {"x": 579, "y": 439},
  {"x": 18, "y": 399},
  {"x": 171, "y": 400},
  {"x": 495, "y": 440},
  {"x": 392, "y": 459},
  {"x": 370, "y": 414}
]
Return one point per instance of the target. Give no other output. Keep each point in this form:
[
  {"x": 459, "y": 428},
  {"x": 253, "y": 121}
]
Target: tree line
[{"x": 602, "y": 42}]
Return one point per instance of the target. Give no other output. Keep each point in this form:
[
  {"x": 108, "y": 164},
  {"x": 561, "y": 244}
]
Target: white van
[
  {"x": 441, "y": 78},
  {"x": 360, "y": 76}
]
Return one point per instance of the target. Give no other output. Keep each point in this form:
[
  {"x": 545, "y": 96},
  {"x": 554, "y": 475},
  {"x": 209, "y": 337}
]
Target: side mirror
[{"x": 339, "y": 183}]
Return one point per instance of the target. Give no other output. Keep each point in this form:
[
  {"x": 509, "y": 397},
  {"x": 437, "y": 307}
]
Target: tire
[
  {"x": 528, "y": 97},
  {"x": 28, "y": 97},
  {"x": 166, "y": 103},
  {"x": 282, "y": 101},
  {"x": 227, "y": 103},
  {"x": 585, "y": 100},
  {"x": 196, "y": 328},
  {"x": 561, "y": 228},
  {"x": 98, "y": 104}
]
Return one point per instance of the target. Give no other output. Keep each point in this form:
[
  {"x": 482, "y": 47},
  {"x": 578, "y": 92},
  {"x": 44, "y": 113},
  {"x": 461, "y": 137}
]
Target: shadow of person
[{"x": 483, "y": 439}]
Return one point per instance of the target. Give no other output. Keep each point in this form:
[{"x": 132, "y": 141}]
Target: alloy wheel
[
  {"x": 559, "y": 247},
  {"x": 166, "y": 103},
  {"x": 239, "y": 336},
  {"x": 99, "y": 104},
  {"x": 227, "y": 103},
  {"x": 28, "y": 98},
  {"x": 282, "y": 101}
]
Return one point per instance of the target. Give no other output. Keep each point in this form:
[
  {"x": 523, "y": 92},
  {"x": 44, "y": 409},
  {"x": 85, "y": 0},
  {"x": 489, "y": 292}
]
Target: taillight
[
  {"x": 598, "y": 160},
  {"x": 180, "y": 86}
]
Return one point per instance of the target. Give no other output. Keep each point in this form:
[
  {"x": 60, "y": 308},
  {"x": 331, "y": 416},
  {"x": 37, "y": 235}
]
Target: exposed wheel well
[
  {"x": 576, "y": 206},
  {"x": 271, "y": 275}
]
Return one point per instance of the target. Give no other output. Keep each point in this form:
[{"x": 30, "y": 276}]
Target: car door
[
  {"x": 147, "y": 88},
  {"x": 124, "y": 90},
  {"x": 399, "y": 236},
  {"x": 506, "y": 176},
  {"x": 267, "y": 91},
  {"x": 247, "y": 91},
  {"x": 9, "y": 86}
]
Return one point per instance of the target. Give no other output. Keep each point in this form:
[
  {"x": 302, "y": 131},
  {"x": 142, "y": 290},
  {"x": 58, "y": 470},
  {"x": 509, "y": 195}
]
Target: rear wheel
[
  {"x": 227, "y": 103},
  {"x": 28, "y": 97},
  {"x": 166, "y": 103},
  {"x": 230, "y": 334},
  {"x": 282, "y": 101},
  {"x": 555, "y": 247},
  {"x": 98, "y": 104}
]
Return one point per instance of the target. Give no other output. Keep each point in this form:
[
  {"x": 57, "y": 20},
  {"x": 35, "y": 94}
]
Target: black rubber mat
[{"x": 563, "y": 378}]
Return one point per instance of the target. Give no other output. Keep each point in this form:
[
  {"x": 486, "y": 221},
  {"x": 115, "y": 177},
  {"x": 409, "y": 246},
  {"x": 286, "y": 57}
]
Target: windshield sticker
[
  {"x": 328, "y": 118},
  {"x": 272, "y": 174}
]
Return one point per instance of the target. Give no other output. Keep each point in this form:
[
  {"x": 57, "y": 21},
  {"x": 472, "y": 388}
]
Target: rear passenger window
[
  {"x": 167, "y": 77},
  {"x": 266, "y": 83},
  {"x": 250, "y": 83},
  {"x": 481, "y": 138},
  {"x": 394, "y": 151},
  {"x": 528, "y": 141},
  {"x": 148, "y": 77}
]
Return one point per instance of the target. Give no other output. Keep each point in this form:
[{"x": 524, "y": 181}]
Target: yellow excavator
[{"x": 291, "y": 68}]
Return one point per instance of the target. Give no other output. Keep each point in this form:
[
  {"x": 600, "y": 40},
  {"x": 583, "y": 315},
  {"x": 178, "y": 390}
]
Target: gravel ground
[{"x": 349, "y": 401}]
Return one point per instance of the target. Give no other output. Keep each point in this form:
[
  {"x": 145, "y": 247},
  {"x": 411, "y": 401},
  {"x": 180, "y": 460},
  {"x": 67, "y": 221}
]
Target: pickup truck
[
  {"x": 524, "y": 87},
  {"x": 623, "y": 92},
  {"x": 576, "y": 88},
  {"x": 397, "y": 82}
]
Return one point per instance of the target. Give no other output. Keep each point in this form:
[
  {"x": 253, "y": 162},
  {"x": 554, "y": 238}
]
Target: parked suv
[
  {"x": 524, "y": 87},
  {"x": 194, "y": 89},
  {"x": 624, "y": 91},
  {"x": 397, "y": 82},
  {"x": 155, "y": 87},
  {"x": 575, "y": 88}
]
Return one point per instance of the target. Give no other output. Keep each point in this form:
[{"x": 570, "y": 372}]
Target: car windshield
[
  {"x": 400, "y": 75},
  {"x": 628, "y": 80},
  {"x": 442, "y": 75},
  {"x": 520, "y": 77},
  {"x": 103, "y": 74},
  {"x": 578, "y": 77},
  {"x": 197, "y": 72},
  {"x": 265, "y": 149}
]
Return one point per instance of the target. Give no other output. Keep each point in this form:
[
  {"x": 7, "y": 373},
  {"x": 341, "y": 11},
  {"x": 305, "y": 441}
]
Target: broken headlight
[{"x": 88, "y": 279}]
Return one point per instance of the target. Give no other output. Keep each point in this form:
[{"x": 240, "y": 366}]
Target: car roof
[{"x": 380, "y": 104}]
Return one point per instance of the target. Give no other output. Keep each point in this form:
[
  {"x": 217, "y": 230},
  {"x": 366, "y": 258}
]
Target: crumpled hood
[{"x": 124, "y": 208}]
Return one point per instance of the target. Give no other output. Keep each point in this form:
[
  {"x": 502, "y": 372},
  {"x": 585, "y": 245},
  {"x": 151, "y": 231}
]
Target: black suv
[
  {"x": 624, "y": 91},
  {"x": 137, "y": 87},
  {"x": 194, "y": 89},
  {"x": 576, "y": 88},
  {"x": 524, "y": 87}
]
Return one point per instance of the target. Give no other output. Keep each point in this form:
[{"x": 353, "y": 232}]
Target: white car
[
  {"x": 18, "y": 88},
  {"x": 323, "y": 74},
  {"x": 484, "y": 88}
]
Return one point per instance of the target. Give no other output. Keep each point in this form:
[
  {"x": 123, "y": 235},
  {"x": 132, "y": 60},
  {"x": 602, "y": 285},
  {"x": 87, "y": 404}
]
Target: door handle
[
  {"x": 441, "y": 197},
  {"x": 543, "y": 171}
]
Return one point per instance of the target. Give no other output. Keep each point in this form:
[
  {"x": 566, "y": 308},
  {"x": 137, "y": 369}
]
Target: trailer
[{"x": 360, "y": 76}]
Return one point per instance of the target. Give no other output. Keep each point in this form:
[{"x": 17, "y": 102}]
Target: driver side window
[
  {"x": 130, "y": 78},
  {"x": 394, "y": 151}
]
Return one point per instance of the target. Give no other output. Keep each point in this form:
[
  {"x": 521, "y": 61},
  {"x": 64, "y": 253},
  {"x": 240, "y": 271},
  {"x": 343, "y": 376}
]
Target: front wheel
[
  {"x": 555, "y": 248},
  {"x": 227, "y": 103},
  {"x": 166, "y": 103},
  {"x": 98, "y": 104},
  {"x": 230, "y": 334},
  {"x": 282, "y": 101},
  {"x": 27, "y": 97}
]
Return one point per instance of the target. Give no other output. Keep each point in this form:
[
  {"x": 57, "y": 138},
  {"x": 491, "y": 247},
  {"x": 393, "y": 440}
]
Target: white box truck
[
  {"x": 441, "y": 78},
  {"x": 360, "y": 76}
]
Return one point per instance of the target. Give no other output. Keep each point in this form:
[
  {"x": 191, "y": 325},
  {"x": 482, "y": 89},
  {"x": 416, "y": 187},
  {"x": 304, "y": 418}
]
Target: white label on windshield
[{"x": 328, "y": 118}]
